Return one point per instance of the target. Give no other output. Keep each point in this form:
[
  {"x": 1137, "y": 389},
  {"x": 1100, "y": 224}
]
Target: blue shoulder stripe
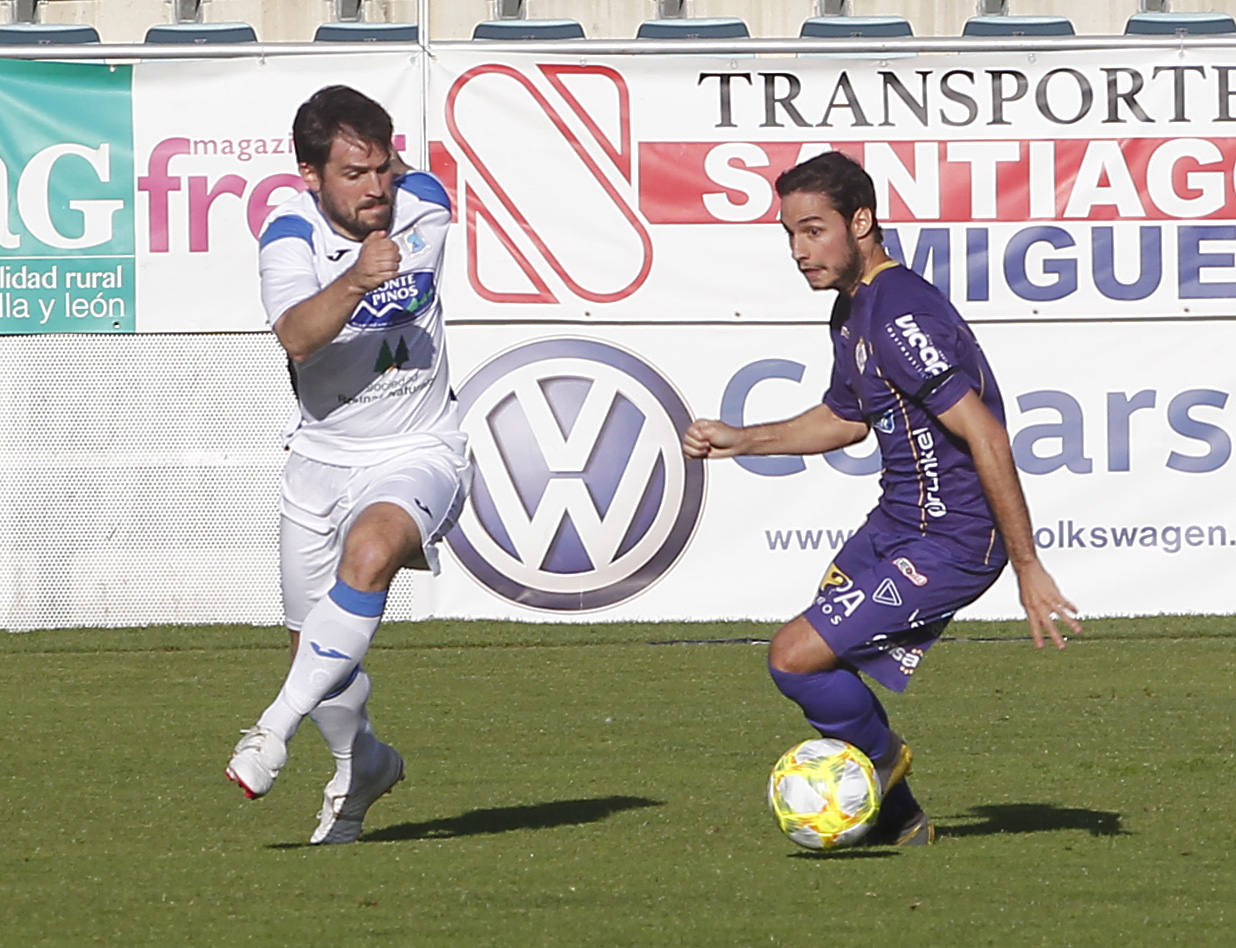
[
  {"x": 426, "y": 187},
  {"x": 289, "y": 225}
]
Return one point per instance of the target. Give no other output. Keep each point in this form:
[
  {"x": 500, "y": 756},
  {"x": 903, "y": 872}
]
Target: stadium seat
[
  {"x": 1018, "y": 26},
  {"x": 847, "y": 27},
  {"x": 201, "y": 33},
  {"x": 528, "y": 30},
  {"x": 46, "y": 34},
  {"x": 693, "y": 27},
  {"x": 1170, "y": 23},
  {"x": 367, "y": 33}
]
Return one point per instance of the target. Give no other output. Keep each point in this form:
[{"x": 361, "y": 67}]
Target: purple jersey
[{"x": 902, "y": 355}]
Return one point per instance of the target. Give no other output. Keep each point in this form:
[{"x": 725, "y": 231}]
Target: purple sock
[{"x": 837, "y": 704}]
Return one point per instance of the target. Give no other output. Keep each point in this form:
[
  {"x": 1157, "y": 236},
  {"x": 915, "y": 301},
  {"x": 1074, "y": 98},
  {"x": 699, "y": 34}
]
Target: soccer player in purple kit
[{"x": 951, "y": 511}]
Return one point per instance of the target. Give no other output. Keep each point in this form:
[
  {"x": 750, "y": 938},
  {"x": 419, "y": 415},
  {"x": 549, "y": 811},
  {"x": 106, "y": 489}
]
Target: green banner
[{"x": 67, "y": 250}]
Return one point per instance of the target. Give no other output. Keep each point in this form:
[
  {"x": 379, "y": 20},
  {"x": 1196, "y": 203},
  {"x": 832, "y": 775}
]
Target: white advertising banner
[
  {"x": 1070, "y": 186},
  {"x": 616, "y": 268},
  {"x": 212, "y": 150},
  {"x": 1123, "y": 436}
]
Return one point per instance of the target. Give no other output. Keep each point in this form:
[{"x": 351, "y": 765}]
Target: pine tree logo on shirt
[{"x": 391, "y": 360}]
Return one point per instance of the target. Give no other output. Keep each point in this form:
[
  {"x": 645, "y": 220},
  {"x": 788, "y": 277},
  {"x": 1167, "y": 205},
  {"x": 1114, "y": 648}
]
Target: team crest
[
  {"x": 414, "y": 242},
  {"x": 860, "y": 354}
]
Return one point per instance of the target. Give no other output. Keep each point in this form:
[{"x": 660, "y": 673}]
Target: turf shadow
[
  {"x": 1034, "y": 818},
  {"x": 504, "y": 819}
]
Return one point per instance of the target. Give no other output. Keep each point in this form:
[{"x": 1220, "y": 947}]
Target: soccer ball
[{"x": 824, "y": 793}]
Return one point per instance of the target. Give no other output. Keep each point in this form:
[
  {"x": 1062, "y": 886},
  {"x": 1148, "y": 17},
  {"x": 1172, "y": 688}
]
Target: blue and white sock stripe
[{"x": 367, "y": 604}]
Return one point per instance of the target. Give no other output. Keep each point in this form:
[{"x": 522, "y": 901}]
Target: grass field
[{"x": 603, "y": 785}]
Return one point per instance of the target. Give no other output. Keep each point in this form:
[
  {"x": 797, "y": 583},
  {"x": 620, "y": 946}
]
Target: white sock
[
  {"x": 344, "y": 723},
  {"x": 333, "y": 641}
]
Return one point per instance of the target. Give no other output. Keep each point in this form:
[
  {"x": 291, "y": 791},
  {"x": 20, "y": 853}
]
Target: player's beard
[
  {"x": 351, "y": 223},
  {"x": 849, "y": 275}
]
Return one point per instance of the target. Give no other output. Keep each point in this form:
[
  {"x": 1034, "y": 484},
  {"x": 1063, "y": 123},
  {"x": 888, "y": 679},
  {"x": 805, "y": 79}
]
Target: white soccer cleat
[
  {"x": 344, "y": 808},
  {"x": 256, "y": 761}
]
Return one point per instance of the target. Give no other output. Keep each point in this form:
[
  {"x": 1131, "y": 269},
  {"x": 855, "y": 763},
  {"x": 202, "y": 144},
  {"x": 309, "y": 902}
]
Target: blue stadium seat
[
  {"x": 527, "y": 30},
  {"x": 1171, "y": 23},
  {"x": 201, "y": 33},
  {"x": 694, "y": 27},
  {"x": 46, "y": 34},
  {"x": 367, "y": 33},
  {"x": 846, "y": 27},
  {"x": 1018, "y": 26}
]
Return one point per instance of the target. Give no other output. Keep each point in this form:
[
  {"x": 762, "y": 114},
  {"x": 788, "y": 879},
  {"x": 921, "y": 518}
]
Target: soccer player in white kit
[{"x": 377, "y": 471}]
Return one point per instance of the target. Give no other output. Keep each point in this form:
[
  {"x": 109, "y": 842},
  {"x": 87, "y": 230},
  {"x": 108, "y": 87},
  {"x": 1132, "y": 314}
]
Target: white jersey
[{"x": 381, "y": 387}]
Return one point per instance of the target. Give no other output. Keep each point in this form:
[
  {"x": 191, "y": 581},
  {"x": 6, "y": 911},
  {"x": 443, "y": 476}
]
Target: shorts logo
[
  {"x": 909, "y": 571},
  {"x": 834, "y": 577},
  {"x": 837, "y": 592},
  {"x": 907, "y": 659},
  {"x": 581, "y": 496},
  {"x": 887, "y": 594}
]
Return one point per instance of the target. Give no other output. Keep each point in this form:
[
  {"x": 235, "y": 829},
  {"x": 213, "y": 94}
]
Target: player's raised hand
[
  {"x": 706, "y": 438},
  {"x": 1044, "y": 605},
  {"x": 377, "y": 262}
]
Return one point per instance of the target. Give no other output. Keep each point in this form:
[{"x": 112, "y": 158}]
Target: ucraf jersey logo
[{"x": 581, "y": 497}]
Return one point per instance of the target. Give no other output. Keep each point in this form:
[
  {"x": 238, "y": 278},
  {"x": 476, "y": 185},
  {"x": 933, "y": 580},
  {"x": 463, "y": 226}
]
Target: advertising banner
[
  {"x": 616, "y": 268},
  {"x": 213, "y": 151},
  {"x": 67, "y": 252},
  {"x": 1078, "y": 186},
  {"x": 619, "y": 268}
]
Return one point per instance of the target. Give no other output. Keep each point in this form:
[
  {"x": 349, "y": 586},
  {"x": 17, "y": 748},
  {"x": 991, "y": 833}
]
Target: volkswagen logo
[{"x": 581, "y": 496}]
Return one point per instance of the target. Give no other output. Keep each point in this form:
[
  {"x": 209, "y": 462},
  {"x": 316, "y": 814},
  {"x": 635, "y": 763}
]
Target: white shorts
[{"x": 320, "y": 502}]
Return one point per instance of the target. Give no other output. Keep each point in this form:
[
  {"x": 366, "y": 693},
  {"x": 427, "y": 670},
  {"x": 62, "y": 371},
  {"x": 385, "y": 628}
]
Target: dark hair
[
  {"x": 337, "y": 110},
  {"x": 839, "y": 178}
]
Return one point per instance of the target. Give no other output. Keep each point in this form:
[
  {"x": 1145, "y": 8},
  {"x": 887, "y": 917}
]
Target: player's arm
[
  {"x": 988, "y": 441},
  {"x": 815, "y": 431},
  {"x": 311, "y": 324}
]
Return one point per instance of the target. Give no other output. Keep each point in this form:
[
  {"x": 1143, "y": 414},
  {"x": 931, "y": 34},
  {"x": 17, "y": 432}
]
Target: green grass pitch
[{"x": 604, "y": 785}]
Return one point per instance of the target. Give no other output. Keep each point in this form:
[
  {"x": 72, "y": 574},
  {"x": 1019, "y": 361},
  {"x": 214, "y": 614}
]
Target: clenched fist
[
  {"x": 706, "y": 438},
  {"x": 378, "y": 262}
]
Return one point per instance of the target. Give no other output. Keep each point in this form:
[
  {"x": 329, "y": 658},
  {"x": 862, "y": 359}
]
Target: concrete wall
[{"x": 126, "y": 21}]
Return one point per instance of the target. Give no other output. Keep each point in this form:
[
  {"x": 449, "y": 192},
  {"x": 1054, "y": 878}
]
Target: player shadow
[
  {"x": 504, "y": 819},
  {"x": 857, "y": 852},
  {"x": 1033, "y": 818}
]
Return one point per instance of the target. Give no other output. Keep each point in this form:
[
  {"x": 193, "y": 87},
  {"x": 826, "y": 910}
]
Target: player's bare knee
[
  {"x": 798, "y": 648},
  {"x": 369, "y": 564}
]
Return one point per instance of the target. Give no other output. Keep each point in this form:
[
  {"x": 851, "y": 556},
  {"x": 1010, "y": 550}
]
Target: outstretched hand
[{"x": 1045, "y": 605}]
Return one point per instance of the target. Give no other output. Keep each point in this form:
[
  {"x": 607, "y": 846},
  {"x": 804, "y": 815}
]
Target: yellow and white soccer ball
[{"x": 824, "y": 793}]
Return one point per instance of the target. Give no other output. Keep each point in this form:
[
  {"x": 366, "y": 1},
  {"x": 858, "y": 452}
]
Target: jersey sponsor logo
[
  {"x": 929, "y": 469},
  {"x": 887, "y": 594},
  {"x": 396, "y": 301},
  {"x": 910, "y": 571},
  {"x": 581, "y": 497},
  {"x": 931, "y": 359}
]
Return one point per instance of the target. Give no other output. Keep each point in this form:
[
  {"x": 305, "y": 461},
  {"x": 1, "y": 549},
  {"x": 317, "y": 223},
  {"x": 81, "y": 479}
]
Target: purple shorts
[{"x": 885, "y": 600}]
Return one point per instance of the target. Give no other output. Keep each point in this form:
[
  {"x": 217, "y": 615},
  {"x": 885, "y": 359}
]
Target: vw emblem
[{"x": 581, "y": 497}]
